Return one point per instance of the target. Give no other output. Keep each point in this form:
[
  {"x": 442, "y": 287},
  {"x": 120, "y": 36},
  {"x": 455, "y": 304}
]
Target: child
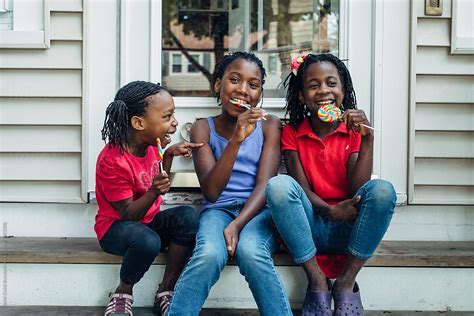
[
  {"x": 241, "y": 152},
  {"x": 329, "y": 204},
  {"x": 129, "y": 186}
]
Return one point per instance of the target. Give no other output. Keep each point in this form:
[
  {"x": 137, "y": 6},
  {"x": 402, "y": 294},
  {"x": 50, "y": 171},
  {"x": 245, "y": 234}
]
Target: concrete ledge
[{"x": 453, "y": 254}]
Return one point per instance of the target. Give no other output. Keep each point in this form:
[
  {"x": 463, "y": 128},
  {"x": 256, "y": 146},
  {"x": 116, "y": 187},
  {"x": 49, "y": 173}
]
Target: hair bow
[{"x": 296, "y": 63}]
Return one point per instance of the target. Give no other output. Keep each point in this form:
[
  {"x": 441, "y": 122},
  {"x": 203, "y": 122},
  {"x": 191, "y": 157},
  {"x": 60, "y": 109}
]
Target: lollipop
[
  {"x": 239, "y": 103},
  {"x": 161, "y": 153},
  {"x": 329, "y": 113},
  {"x": 243, "y": 104}
]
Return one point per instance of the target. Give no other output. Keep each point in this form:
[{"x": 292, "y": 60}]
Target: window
[
  {"x": 176, "y": 63},
  {"x": 191, "y": 67},
  {"x": 24, "y": 24},
  {"x": 274, "y": 30},
  {"x": 272, "y": 64},
  {"x": 6, "y": 15}
]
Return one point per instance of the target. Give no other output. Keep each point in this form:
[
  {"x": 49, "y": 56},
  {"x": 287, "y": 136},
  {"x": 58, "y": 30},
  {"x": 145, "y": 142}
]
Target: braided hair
[
  {"x": 294, "y": 84},
  {"x": 230, "y": 58},
  {"x": 130, "y": 100}
]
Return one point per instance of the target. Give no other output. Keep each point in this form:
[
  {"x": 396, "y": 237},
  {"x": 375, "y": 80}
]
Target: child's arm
[
  {"x": 359, "y": 166},
  {"x": 184, "y": 149},
  {"x": 134, "y": 210},
  {"x": 344, "y": 210},
  {"x": 268, "y": 167},
  {"x": 214, "y": 175}
]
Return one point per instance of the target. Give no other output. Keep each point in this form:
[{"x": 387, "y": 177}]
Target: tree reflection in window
[{"x": 202, "y": 31}]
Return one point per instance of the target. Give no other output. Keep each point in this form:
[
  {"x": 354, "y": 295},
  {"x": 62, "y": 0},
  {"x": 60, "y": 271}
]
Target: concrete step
[{"x": 98, "y": 311}]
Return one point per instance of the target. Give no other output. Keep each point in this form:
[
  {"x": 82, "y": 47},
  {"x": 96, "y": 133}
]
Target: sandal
[
  {"x": 317, "y": 303},
  {"x": 348, "y": 303},
  {"x": 162, "y": 302},
  {"x": 120, "y": 305}
]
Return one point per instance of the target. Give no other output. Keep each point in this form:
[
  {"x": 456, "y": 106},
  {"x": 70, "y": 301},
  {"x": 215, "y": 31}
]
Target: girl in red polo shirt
[
  {"x": 328, "y": 204},
  {"x": 129, "y": 189}
]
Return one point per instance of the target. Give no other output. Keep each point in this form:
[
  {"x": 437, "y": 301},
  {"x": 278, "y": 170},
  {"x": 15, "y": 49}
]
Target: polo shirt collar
[{"x": 305, "y": 129}]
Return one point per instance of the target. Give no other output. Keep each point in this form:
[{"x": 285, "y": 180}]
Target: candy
[
  {"x": 329, "y": 113},
  {"x": 239, "y": 103},
  {"x": 161, "y": 153}
]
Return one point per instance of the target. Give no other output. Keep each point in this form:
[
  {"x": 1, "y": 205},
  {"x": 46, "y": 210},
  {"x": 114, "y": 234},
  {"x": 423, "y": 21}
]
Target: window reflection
[{"x": 197, "y": 34}]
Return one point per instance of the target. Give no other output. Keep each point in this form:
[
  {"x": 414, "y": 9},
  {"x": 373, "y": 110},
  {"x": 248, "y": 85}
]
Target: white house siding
[
  {"x": 442, "y": 110},
  {"x": 40, "y": 113}
]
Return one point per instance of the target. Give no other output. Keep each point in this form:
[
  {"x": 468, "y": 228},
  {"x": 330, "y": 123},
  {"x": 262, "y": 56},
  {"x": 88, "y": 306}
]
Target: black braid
[
  {"x": 131, "y": 100},
  {"x": 221, "y": 67},
  {"x": 294, "y": 84}
]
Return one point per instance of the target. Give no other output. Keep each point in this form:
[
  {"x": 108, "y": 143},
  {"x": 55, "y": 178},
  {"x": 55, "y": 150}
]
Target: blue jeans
[
  {"x": 139, "y": 244},
  {"x": 257, "y": 242},
  {"x": 305, "y": 233}
]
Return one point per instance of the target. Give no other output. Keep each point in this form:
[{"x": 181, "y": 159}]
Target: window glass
[{"x": 197, "y": 33}]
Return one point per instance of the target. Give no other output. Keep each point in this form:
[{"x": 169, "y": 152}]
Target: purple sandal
[
  {"x": 348, "y": 303},
  {"x": 317, "y": 303}
]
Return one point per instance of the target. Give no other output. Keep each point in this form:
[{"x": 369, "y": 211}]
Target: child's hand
[
  {"x": 184, "y": 149},
  {"x": 161, "y": 183},
  {"x": 246, "y": 123},
  {"x": 356, "y": 119},
  {"x": 345, "y": 210},
  {"x": 231, "y": 235}
]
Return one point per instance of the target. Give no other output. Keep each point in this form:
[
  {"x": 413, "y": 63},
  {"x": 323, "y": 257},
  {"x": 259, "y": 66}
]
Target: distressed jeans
[
  {"x": 305, "y": 233},
  {"x": 257, "y": 242}
]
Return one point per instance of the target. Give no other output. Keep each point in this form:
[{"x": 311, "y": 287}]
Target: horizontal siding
[
  {"x": 40, "y": 166},
  {"x": 66, "y": 5},
  {"x": 40, "y": 138},
  {"x": 439, "y": 61},
  {"x": 41, "y": 191},
  {"x": 444, "y": 144},
  {"x": 420, "y": 9},
  {"x": 444, "y": 171},
  {"x": 66, "y": 26},
  {"x": 61, "y": 55},
  {"x": 40, "y": 111},
  {"x": 444, "y": 89},
  {"x": 444, "y": 117},
  {"x": 461, "y": 195},
  {"x": 41, "y": 114},
  {"x": 427, "y": 28},
  {"x": 40, "y": 83}
]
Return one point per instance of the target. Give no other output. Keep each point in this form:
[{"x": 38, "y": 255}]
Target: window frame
[{"x": 18, "y": 37}]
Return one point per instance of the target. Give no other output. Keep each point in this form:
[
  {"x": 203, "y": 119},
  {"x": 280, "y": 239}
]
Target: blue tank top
[{"x": 244, "y": 174}]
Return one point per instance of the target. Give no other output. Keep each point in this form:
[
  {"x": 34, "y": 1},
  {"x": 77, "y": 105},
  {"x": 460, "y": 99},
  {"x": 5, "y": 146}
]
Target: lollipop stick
[{"x": 370, "y": 127}]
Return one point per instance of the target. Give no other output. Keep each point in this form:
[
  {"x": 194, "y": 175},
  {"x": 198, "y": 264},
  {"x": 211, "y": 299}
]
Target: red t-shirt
[
  {"x": 121, "y": 176},
  {"x": 324, "y": 162}
]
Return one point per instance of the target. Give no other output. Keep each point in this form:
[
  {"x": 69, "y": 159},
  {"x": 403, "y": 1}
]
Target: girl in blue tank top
[{"x": 241, "y": 153}]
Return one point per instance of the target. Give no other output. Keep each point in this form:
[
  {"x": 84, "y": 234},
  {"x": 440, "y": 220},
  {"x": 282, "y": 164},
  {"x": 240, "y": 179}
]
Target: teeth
[{"x": 325, "y": 102}]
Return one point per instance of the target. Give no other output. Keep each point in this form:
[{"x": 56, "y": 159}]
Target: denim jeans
[
  {"x": 139, "y": 244},
  {"x": 305, "y": 233},
  {"x": 257, "y": 242}
]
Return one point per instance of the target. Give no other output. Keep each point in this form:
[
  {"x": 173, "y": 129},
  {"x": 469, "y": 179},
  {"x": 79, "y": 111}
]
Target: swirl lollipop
[{"x": 329, "y": 113}]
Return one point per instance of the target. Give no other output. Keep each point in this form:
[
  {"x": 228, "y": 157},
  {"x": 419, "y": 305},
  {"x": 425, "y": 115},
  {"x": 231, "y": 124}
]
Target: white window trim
[
  {"x": 462, "y": 30},
  {"x": 31, "y": 38}
]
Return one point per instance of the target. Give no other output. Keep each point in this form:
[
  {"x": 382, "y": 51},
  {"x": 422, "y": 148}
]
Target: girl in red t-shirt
[
  {"x": 129, "y": 189},
  {"x": 328, "y": 204}
]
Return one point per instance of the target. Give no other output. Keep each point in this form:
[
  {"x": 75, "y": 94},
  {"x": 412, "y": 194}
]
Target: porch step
[
  {"x": 87, "y": 251},
  {"x": 98, "y": 311},
  {"x": 402, "y": 275}
]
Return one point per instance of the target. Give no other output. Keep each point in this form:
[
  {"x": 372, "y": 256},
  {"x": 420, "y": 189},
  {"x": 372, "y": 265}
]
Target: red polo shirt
[
  {"x": 324, "y": 160},
  {"x": 324, "y": 163}
]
